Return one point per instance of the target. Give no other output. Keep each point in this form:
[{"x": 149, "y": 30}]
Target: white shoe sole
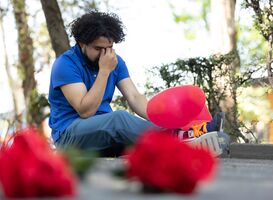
[{"x": 209, "y": 141}]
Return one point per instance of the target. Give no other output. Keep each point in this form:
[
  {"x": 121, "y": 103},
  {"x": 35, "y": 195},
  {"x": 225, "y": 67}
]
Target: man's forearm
[
  {"x": 93, "y": 98},
  {"x": 139, "y": 105}
]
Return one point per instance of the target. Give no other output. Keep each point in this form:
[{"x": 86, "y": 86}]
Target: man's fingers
[
  {"x": 113, "y": 51},
  {"x": 103, "y": 52},
  {"x": 108, "y": 52}
]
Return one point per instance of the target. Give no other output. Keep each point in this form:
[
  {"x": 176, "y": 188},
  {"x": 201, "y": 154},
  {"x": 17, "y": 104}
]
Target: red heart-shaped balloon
[{"x": 176, "y": 107}]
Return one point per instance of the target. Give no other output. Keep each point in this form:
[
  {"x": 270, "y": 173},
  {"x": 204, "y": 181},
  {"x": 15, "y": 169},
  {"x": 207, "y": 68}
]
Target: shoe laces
[{"x": 199, "y": 129}]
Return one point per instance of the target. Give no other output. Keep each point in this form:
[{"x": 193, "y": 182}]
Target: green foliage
[
  {"x": 189, "y": 34},
  {"x": 213, "y": 74},
  {"x": 119, "y": 103},
  {"x": 255, "y": 112},
  {"x": 198, "y": 71},
  {"x": 251, "y": 109},
  {"x": 152, "y": 88},
  {"x": 189, "y": 20},
  {"x": 263, "y": 17},
  {"x": 255, "y": 38},
  {"x": 206, "y": 4},
  {"x": 80, "y": 160},
  {"x": 251, "y": 45},
  {"x": 263, "y": 20},
  {"x": 71, "y": 9},
  {"x": 83, "y": 5},
  {"x": 38, "y": 105},
  {"x": 43, "y": 54},
  {"x": 185, "y": 18}
]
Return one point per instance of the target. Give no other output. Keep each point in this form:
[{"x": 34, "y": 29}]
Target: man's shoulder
[
  {"x": 68, "y": 54},
  {"x": 121, "y": 62},
  {"x": 69, "y": 57},
  {"x": 119, "y": 58}
]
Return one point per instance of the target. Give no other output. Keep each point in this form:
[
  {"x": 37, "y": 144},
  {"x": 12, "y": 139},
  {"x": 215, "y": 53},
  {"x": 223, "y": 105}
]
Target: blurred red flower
[
  {"x": 29, "y": 168},
  {"x": 159, "y": 160}
]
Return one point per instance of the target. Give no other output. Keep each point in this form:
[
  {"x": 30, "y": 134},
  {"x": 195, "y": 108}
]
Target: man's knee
[{"x": 123, "y": 120}]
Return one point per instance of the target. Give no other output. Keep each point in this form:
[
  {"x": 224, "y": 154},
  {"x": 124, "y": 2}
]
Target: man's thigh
[{"x": 102, "y": 131}]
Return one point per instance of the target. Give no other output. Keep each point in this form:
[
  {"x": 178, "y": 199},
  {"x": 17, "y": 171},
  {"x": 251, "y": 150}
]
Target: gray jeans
[{"x": 103, "y": 131}]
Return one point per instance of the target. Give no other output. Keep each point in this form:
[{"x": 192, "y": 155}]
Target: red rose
[
  {"x": 160, "y": 160},
  {"x": 29, "y": 168}
]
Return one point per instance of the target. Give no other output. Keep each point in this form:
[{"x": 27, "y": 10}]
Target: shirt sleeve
[
  {"x": 64, "y": 72},
  {"x": 122, "y": 69}
]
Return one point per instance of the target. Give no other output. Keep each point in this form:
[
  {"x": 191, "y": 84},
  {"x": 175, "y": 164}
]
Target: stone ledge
[{"x": 251, "y": 151}]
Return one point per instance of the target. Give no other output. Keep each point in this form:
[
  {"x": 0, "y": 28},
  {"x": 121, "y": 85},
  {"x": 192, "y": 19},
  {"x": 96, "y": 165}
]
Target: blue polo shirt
[{"x": 72, "y": 67}]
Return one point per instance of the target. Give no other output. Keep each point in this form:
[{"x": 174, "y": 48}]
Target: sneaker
[
  {"x": 224, "y": 139},
  {"x": 195, "y": 132},
  {"x": 208, "y": 140},
  {"x": 208, "y": 135},
  {"x": 216, "y": 124}
]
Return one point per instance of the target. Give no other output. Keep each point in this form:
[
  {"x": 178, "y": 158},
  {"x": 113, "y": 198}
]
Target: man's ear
[{"x": 83, "y": 47}]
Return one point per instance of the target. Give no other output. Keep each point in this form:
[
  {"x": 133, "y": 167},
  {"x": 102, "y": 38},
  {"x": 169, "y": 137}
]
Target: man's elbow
[
  {"x": 86, "y": 111},
  {"x": 85, "y": 114}
]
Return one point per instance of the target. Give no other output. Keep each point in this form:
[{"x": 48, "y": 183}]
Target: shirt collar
[{"x": 80, "y": 55}]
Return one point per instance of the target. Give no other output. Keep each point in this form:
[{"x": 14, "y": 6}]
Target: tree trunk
[
  {"x": 223, "y": 32},
  {"x": 15, "y": 85},
  {"x": 25, "y": 50},
  {"x": 55, "y": 26},
  {"x": 223, "y": 29}
]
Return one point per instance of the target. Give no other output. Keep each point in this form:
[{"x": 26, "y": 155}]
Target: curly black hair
[{"x": 95, "y": 24}]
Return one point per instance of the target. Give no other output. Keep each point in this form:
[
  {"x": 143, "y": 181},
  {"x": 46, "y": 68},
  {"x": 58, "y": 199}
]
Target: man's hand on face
[{"x": 108, "y": 60}]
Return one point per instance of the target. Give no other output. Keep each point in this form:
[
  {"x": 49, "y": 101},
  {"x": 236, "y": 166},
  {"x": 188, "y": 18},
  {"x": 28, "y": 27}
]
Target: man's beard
[{"x": 92, "y": 64}]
